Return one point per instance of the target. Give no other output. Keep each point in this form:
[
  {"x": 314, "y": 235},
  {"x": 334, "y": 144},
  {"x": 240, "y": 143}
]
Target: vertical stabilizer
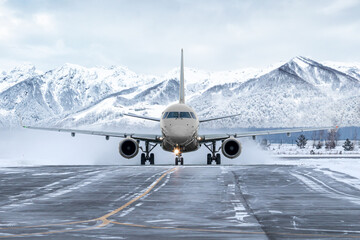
[{"x": 182, "y": 88}]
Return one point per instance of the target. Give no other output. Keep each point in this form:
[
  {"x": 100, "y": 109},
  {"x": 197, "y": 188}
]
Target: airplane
[{"x": 179, "y": 126}]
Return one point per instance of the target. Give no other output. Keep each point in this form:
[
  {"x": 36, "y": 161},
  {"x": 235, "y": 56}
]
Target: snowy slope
[
  {"x": 301, "y": 92},
  {"x": 352, "y": 69}
]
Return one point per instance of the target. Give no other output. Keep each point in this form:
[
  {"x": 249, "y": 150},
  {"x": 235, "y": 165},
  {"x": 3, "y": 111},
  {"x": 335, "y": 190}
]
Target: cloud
[
  {"x": 8, "y": 22},
  {"x": 147, "y": 36},
  {"x": 339, "y": 6},
  {"x": 22, "y": 28},
  {"x": 45, "y": 21}
]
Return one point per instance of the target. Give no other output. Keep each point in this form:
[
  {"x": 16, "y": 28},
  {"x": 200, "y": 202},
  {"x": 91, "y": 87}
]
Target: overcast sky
[{"x": 147, "y": 36}]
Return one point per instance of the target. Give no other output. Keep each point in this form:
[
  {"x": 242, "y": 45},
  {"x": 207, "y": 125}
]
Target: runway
[{"x": 167, "y": 202}]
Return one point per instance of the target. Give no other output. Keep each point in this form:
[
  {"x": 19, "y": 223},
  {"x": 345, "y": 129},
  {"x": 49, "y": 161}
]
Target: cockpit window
[
  {"x": 193, "y": 115},
  {"x": 165, "y": 115},
  {"x": 185, "y": 115},
  {"x": 173, "y": 115},
  {"x": 177, "y": 115}
]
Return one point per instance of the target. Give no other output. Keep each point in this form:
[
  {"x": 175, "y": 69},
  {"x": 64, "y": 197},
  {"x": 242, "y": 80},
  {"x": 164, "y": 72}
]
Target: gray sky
[{"x": 147, "y": 36}]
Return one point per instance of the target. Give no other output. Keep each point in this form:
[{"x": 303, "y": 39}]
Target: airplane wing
[
  {"x": 217, "y": 118},
  {"x": 142, "y": 117},
  {"x": 218, "y": 137},
  {"x": 107, "y": 135}
]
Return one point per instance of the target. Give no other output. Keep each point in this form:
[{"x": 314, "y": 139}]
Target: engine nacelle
[
  {"x": 128, "y": 148},
  {"x": 231, "y": 148}
]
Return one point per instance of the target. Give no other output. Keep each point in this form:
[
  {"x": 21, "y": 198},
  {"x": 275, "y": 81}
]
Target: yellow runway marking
[
  {"x": 138, "y": 197},
  {"x": 103, "y": 219}
]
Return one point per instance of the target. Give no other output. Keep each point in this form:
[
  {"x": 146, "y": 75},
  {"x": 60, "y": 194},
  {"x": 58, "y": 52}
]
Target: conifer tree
[
  {"x": 301, "y": 141},
  {"x": 348, "y": 145}
]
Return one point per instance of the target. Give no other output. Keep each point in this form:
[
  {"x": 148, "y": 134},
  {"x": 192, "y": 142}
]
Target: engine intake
[
  {"x": 231, "y": 148},
  {"x": 128, "y": 148}
]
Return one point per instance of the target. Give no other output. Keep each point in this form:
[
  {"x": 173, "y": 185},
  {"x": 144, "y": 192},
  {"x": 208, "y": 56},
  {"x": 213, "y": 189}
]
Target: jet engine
[
  {"x": 231, "y": 148},
  {"x": 128, "y": 148}
]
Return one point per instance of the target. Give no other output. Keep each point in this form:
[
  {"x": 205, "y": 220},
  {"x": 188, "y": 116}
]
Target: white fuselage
[{"x": 179, "y": 126}]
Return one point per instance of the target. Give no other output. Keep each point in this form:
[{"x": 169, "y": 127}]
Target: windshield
[
  {"x": 185, "y": 115},
  {"x": 178, "y": 115},
  {"x": 165, "y": 115},
  {"x": 173, "y": 115}
]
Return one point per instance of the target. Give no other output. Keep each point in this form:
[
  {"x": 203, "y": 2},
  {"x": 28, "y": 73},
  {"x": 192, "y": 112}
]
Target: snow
[
  {"x": 328, "y": 161},
  {"x": 16, "y": 75},
  {"x": 349, "y": 166},
  {"x": 299, "y": 93},
  {"x": 301, "y": 61},
  {"x": 293, "y": 150}
]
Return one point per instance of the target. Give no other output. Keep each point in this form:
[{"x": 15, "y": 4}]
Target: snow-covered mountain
[{"x": 301, "y": 92}]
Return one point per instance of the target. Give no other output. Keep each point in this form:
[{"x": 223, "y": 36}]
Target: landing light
[
  {"x": 199, "y": 138},
  {"x": 176, "y": 151}
]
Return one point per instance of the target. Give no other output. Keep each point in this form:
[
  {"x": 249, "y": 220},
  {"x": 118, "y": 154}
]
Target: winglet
[{"x": 182, "y": 88}]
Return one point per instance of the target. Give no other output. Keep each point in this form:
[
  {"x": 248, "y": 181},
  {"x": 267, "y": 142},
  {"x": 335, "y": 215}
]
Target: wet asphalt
[{"x": 167, "y": 202}]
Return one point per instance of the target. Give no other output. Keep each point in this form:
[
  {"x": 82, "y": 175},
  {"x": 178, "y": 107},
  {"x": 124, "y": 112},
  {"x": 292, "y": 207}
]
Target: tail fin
[{"x": 182, "y": 88}]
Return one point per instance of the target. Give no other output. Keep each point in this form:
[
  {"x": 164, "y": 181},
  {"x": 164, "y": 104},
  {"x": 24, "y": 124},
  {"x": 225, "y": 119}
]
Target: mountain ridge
[{"x": 298, "y": 93}]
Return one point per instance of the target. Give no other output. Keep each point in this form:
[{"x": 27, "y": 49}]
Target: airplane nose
[{"x": 179, "y": 134}]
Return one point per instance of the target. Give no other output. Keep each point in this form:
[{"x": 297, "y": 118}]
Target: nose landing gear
[{"x": 179, "y": 160}]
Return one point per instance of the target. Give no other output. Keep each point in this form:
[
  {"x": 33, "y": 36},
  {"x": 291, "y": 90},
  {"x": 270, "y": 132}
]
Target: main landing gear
[
  {"x": 146, "y": 155},
  {"x": 214, "y": 155}
]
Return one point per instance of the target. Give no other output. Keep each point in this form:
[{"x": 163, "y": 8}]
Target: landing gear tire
[
  {"x": 218, "y": 159},
  {"x": 179, "y": 160},
  {"x": 213, "y": 156},
  {"x": 209, "y": 159},
  {"x": 146, "y": 155},
  {"x": 152, "y": 159},
  {"x": 143, "y": 159}
]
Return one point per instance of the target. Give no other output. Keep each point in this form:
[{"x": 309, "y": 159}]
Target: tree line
[
  {"x": 330, "y": 139},
  {"x": 320, "y": 139}
]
